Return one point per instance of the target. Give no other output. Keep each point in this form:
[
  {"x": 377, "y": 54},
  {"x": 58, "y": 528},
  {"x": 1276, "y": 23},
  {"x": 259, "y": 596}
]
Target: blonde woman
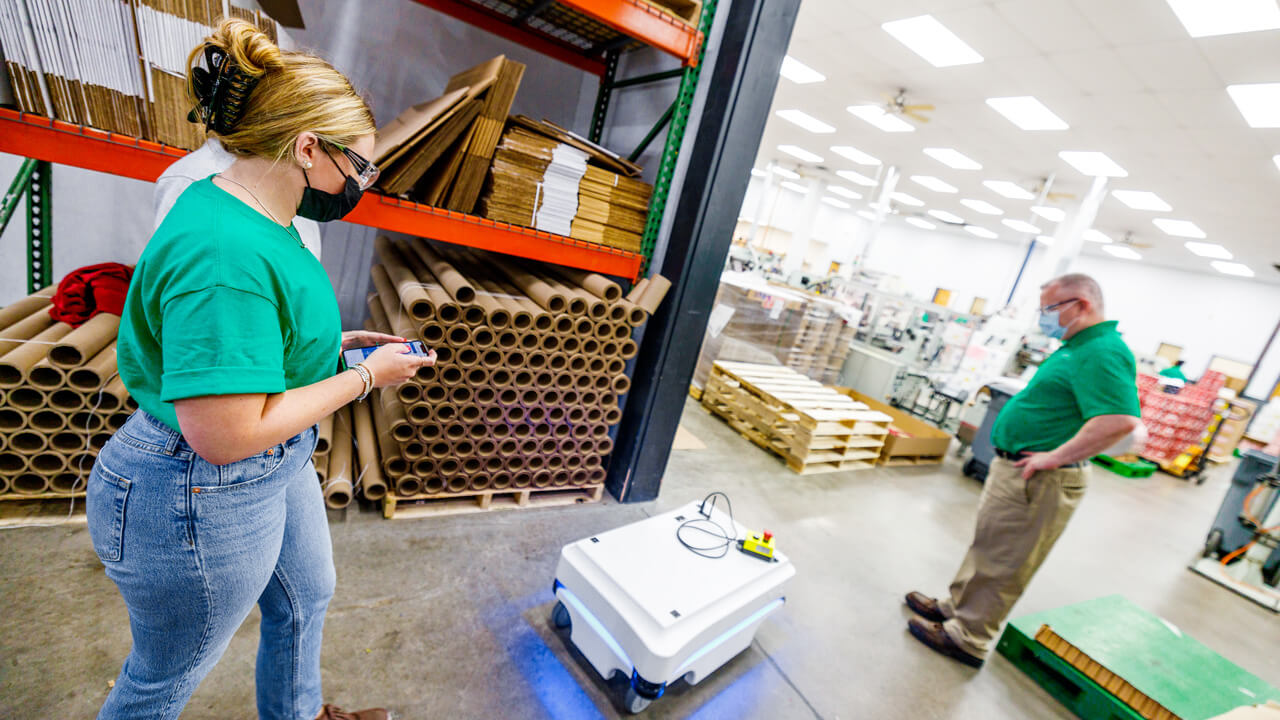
[{"x": 206, "y": 502}]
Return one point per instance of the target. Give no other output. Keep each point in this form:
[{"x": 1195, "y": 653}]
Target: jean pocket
[
  {"x": 105, "y": 502},
  {"x": 248, "y": 471}
]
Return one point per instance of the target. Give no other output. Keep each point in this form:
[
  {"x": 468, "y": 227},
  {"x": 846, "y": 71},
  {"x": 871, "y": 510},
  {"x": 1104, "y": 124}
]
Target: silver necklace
[{"x": 265, "y": 209}]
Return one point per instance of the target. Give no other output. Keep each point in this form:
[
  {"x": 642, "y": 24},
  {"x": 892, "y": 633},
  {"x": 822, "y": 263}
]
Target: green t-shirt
[
  {"x": 1174, "y": 372},
  {"x": 1092, "y": 374},
  {"x": 224, "y": 301}
]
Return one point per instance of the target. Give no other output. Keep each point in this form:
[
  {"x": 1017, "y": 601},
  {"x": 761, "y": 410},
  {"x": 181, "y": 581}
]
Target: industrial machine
[
  {"x": 669, "y": 598},
  {"x": 1242, "y": 549},
  {"x": 983, "y": 451}
]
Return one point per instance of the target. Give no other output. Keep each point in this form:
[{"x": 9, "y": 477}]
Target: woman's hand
[
  {"x": 394, "y": 364},
  {"x": 365, "y": 338}
]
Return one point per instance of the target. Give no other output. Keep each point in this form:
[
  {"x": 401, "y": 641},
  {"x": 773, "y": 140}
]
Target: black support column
[{"x": 741, "y": 86}]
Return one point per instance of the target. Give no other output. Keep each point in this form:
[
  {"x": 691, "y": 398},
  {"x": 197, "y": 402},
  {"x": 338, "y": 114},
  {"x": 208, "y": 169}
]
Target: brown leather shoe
[
  {"x": 925, "y": 606},
  {"x": 932, "y": 634},
  {"x": 329, "y": 712}
]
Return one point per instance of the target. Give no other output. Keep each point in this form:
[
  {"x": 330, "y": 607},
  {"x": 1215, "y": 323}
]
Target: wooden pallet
[
  {"x": 41, "y": 509},
  {"x": 472, "y": 501},
  {"x": 908, "y": 460}
]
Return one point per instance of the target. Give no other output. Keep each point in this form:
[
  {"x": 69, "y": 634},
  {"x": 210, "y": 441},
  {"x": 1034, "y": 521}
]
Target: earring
[{"x": 307, "y": 165}]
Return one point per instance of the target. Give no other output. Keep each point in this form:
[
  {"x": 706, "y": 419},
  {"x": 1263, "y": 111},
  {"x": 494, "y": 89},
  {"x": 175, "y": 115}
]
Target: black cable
[{"x": 706, "y": 525}]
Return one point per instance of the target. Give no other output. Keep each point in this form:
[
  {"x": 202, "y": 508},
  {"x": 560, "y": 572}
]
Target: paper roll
[
  {"x": 534, "y": 287},
  {"x": 16, "y": 311},
  {"x": 407, "y": 286},
  {"x": 67, "y": 441},
  {"x": 369, "y": 469},
  {"x": 338, "y": 487},
  {"x": 395, "y": 312},
  {"x": 66, "y": 400},
  {"x": 47, "y": 421},
  {"x": 48, "y": 463},
  {"x": 94, "y": 373},
  {"x": 637, "y": 290},
  {"x": 598, "y": 285},
  {"x": 452, "y": 280},
  {"x": 393, "y": 464},
  {"x": 15, "y": 364},
  {"x": 408, "y": 485},
  {"x": 45, "y": 376},
  {"x": 15, "y": 334},
  {"x": 447, "y": 310},
  {"x": 84, "y": 342},
  {"x": 653, "y": 294},
  {"x": 324, "y": 434},
  {"x": 29, "y": 483},
  {"x": 26, "y": 398}
]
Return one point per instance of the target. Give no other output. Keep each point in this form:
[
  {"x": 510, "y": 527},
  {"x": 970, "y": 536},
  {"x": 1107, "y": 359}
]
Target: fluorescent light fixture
[
  {"x": 806, "y": 121},
  {"x": 1259, "y": 103},
  {"x": 1092, "y": 163},
  {"x": 795, "y": 187},
  {"x": 1093, "y": 235},
  {"x": 1141, "y": 200},
  {"x": 980, "y": 232},
  {"x": 1021, "y": 226},
  {"x": 856, "y": 178},
  {"x": 799, "y": 73},
  {"x": 906, "y": 199},
  {"x": 922, "y": 223},
  {"x": 981, "y": 206},
  {"x": 1179, "y": 228},
  {"x": 1044, "y": 239},
  {"x": 947, "y": 217},
  {"x": 931, "y": 40},
  {"x": 1027, "y": 113},
  {"x": 757, "y": 172},
  {"x": 933, "y": 183},
  {"x": 876, "y": 115},
  {"x": 1232, "y": 268},
  {"x": 1124, "y": 252},
  {"x": 836, "y": 203},
  {"x": 854, "y": 154},
  {"x": 1008, "y": 189},
  {"x": 866, "y": 215},
  {"x": 1203, "y": 18},
  {"x": 800, "y": 153},
  {"x": 1209, "y": 250},
  {"x": 1052, "y": 214},
  {"x": 779, "y": 170},
  {"x": 844, "y": 192},
  {"x": 952, "y": 158}
]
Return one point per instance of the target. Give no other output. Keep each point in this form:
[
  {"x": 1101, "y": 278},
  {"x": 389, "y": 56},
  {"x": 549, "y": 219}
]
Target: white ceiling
[{"x": 1124, "y": 74}]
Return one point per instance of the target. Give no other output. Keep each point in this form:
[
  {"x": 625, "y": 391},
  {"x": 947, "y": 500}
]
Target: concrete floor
[{"x": 448, "y": 617}]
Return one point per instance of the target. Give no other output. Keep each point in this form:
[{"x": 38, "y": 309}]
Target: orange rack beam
[{"x": 42, "y": 138}]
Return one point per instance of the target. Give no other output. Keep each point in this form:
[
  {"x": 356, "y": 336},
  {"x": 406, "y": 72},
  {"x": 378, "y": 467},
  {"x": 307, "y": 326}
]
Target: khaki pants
[{"x": 1018, "y": 523}]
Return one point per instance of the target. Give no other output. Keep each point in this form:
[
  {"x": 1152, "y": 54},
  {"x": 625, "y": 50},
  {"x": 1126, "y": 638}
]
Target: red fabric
[{"x": 90, "y": 290}]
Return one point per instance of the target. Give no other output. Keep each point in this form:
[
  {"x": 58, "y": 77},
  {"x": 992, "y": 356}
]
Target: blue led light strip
[
  {"x": 757, "y": 615},
  {"x": 596, "y": 625}
]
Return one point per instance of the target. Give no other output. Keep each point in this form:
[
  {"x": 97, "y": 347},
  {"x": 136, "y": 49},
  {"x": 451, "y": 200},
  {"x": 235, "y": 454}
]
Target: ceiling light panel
[
  {"x": 922, "y": 223},
  {"x": 844, "y": 192},
  {"x": 953, "y": 158},
  {"x": 906, "y": 199},
  {"x": 1092, "y": 163},
  {"x": 1052, "y": 214},
  {"x": 1044, "y": 239},
  {"x": 778, "y": 170},
  {"x": 757, "y": 172},
  {"x": 800, "y": 153},
  {"x": 1259, "y": 103},
  {"x": 1097, "y": 236},
  {"x": 981, "y": 232},
  {"x": 1232, "y": 268},
  {"x": 1179, "y": 228},
  {"x": 1141, "y": 200},
  {"x": 795, "y": 187},
  {"x": 1021, "y": 226},
  {"x": 799, "y": 73},
  {"x": 1008, "y": 189},
  {"x": 836, "y": 203},
  {"x": 947, "y": 217},
  {"x": 931, "y": 40},
  {"x": 806, "y": 121},
  {"x": 1209, "y": 250},
  {"x": 933, "y": 183},
  {"x": 876, "y": 115},
  {"x": 854, "y": 154},
  {"x": 856, "y": 178},
  {"x": 981, "y": 206},
  {"x": 1203, "y": 18},
  {"x": 1027, "y": 113},
  {"x": 1123, "y": 252},
  {"x": 866, "y": 215}
]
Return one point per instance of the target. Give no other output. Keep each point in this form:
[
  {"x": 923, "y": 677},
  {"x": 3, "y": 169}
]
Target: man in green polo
[{"x": 1082, "y": 400}]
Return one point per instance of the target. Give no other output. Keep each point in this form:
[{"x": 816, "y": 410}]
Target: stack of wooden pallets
[{"x": 812, "y": 427}]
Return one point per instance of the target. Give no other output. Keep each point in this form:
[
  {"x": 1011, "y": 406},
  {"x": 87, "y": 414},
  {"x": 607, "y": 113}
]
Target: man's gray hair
[{"x": 1079, "y": 284}]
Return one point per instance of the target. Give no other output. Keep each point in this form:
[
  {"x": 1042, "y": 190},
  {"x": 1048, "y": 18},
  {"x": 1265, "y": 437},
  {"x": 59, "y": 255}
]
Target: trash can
[{"x": 982, "y": 450}]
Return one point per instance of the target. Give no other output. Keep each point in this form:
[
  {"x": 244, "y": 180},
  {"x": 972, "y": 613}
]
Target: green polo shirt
[
  {"x": 224, "y": 301},
  {"x": 1092, "y": 374}
]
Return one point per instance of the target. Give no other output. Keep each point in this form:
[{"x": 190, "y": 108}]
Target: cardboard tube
[
  {"x": 432, "y": 334},
  {"x": 500, "y": 377},
  {"x": 28, "y": 442},
  {"x": 321, "y": 463},
  {"x": 471, "y": 466},
  {"x": 324, "y": 434},
  {"x": 426, "y": 374},
  {"x": 464, "y": 448},
  {"x": 501, "y": 480},
  {"x": 112, "y": 397},
  {"x": 578, "y": 364},
  {"x": 368, "y": 468},
  {"x": 67, "y": 441},
  {"x": 617, "y": 312},
  {"x": 48, "y": 463},
  {"x": 12, "y": 463},
  {"x": 25, "y": 398},
  {"x": 66, "y": 482},
  {"x": 447, "y": 310},
  {"x": 521, "y": 480},
  {"x": 92, "y": 375},
  {"x": 99, "y": 440},
  {"x": 604, "y": 445},
  {"x": 408, "y": 485},
  {"x": 423, "y": 467},
  {"x": 478, "y": 377},
  {"x": 378, "y": 321},
  {"x": 409, "y": 393},
  {"x": 573, "y": 462},
  {"x": 392, "y": 463},
  {"x": 453, "y": 282},
  {"x": 615, "y": 366},
  {"x": 534, "y": 463},
  {"x": 457, "y": 483},
  {"x": 555, "y": 415},
  {"x": 637, "y": 290},
  {"x": 444, "y": 355},
  {"x": 594, "y": 415},
  {"x": 435, "y": 393},
  {"x": 28, "y": 327},
  {"x": 628, "y": 349},
  {"x": 622, "y": 332},
  {"x": 433, "y": 485},
  {"x": 15, "y": 364},
  {"x": 470, "y": 413},
  {"x": 483, "y": 338},
  {"x": 589, "y": 398},
  {"x": 446, "y": 412},
  {"x": 575, "y": 415},
  {"x": 420, "y": 413},
  {"x": 460, "y": 395},
  {"x": 583, "y": 382},
  {"x": 595, "y": 365},
  {"x": 620, "y": 384},
  {"x": 536, "y": 361},
  {"x": 45, "y": 376},
  {"x": 493, "y": 414},
  {"x": 467, "y": 357},
  {"x": 390, "y": 301},
  {"x": 458, "y": 336},
  {"x": 570, "y": 344},
  {"x": 397, "y": 421},
  {"x": 605, "y": 330},
  {"x": 634, "y": 315},
  {"x": 497, "y": 314},
  {"x": 65, "y": 401},
  {"x": 27, "y": 306},
  {"x": 542, "y": 479},
  {"x": 47, "y": 421},
  {"x": 598, "y": 285},
  {"x": 412, "y": 295},
  {"x": 116, "y": 420},
  {"x": 507, "y": 341},
  {"x": 486, "y": 394},
  {"x": 560, "y": 478},
  {"x": 534, "y": 287},
  {"x": 84, "y": 342},
  {"x": 29, "y": 483},
  {"x": 653, "y": 294},
  {"x": 339, "y": 486},
  {"x": 597, "y": 476},
  {"x": 456, "y": 431}
]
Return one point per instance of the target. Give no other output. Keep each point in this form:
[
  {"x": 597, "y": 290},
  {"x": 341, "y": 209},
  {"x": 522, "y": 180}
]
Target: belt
[{"x": 1014, "y": 457}]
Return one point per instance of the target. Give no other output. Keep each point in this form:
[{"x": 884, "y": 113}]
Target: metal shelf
[
  {"x": 579, "y": 32},
  {"x": 39, "y": 137}
]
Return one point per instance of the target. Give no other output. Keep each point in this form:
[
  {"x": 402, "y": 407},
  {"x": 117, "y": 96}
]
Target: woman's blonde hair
[{"x": 295, "y": 92}]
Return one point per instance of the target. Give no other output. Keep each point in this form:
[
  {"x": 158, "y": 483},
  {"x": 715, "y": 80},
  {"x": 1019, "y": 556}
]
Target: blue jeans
[{"x": 192, "y": 546}]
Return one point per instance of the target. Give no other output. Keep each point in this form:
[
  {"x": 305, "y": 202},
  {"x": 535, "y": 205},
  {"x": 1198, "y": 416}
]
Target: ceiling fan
[
  {"x": 896, "y": 104},
  {"x": 1051, "y": 196},
  {"x": 1127, "y": 241}
]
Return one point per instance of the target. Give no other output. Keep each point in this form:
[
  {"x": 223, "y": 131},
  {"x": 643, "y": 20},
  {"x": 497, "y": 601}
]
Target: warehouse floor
[{"x": 448, "y": 618}]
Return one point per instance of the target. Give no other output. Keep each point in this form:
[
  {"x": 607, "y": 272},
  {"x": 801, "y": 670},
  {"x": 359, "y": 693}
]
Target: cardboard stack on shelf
[
  {"x": 112, "y": 65},
  {"x": 1177, "y": 422}
]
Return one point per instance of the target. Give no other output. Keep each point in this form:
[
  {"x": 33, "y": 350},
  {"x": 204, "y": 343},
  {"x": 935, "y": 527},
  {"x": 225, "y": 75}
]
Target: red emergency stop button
[{"x": 767, "y": 536}]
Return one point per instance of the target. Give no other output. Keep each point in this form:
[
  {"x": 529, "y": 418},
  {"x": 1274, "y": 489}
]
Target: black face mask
[{"x": 324, "y": 206}]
